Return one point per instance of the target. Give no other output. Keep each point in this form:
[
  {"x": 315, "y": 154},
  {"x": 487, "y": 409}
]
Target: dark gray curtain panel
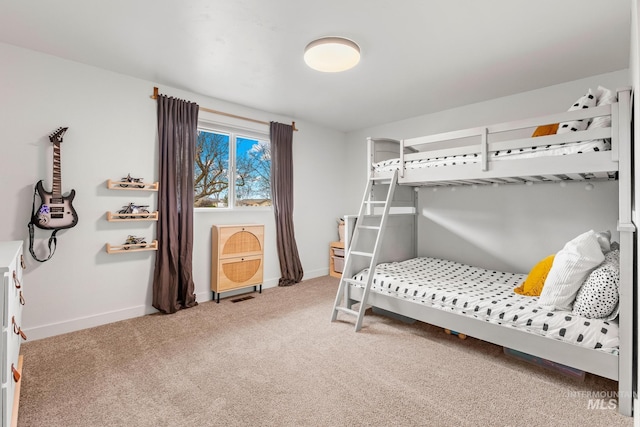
[
  {"x": 173, "y": 287},
  {"x": 282, "y": 199}
]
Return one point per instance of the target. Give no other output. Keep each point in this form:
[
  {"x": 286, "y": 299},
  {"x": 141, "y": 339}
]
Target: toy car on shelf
[
  {"x": 130, "y": 180},
  {"x": 133, "y": 209},
  {"x": 133, "y": 240}
]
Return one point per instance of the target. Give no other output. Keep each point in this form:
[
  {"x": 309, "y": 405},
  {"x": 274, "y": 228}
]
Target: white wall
[
  {"x": 512, "y": 227},
  {"x": 507, "y": 228},
  {"x": 112, "y": 131}
]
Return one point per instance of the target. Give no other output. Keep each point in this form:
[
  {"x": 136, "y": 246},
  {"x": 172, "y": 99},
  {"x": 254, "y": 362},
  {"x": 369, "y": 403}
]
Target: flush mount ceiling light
[{"x": 332, "y": 54}]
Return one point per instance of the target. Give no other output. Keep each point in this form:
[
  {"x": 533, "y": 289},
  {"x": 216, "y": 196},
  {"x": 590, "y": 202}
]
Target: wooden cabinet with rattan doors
[{"x": 237, "y": 257}]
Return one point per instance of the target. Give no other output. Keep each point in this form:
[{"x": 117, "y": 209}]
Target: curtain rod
[{"x": 222, "y": 113}]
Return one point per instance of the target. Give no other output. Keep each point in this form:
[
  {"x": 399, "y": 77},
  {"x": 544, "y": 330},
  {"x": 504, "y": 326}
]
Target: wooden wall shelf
[
  {"x": 125, "y": 249},
  {"x": 139, "y": 186},
  {"x": 146, "y": 216},
  {"x": 115, "y": 217}
]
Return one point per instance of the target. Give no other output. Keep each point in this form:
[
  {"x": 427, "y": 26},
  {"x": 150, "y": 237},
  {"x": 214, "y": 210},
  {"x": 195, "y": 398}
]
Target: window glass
[
  {"x": 211, "y": 173},
  {"x": 221, "y": 155},
  {"x": 253, "y": 172}
]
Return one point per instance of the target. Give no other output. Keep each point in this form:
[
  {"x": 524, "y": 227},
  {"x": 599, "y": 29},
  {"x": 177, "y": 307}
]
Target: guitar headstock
[{"x": 57, "y": 135}]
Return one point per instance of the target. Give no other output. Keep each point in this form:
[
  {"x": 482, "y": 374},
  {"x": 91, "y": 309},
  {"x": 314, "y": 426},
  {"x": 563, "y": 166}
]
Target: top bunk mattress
[
  {"x": 488, "y": 296},
  {"x": 520, "y": 153}
]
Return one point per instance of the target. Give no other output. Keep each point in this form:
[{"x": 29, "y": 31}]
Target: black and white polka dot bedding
[
  {"x": 487, "y": 295},
  {"x": 521, "y": 153}
]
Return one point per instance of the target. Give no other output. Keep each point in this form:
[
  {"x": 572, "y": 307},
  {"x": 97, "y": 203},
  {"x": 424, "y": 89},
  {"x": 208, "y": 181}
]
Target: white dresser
[{"x": 12, "y": 300}]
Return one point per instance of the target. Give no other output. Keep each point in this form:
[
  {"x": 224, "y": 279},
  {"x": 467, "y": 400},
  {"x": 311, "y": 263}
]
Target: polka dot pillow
[
  {"x": 598, "y": 296},
  {"x": 587, "y": 101}
]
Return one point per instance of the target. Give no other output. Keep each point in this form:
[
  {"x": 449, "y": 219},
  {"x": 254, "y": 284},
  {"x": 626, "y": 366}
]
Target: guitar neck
[{"x": 56, "y": 188}]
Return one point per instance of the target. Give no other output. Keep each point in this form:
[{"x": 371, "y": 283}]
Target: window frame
[{"x": 234, "y": 132}]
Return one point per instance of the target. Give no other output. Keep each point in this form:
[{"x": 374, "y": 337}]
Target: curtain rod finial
[{"x": 155, "y": 93}]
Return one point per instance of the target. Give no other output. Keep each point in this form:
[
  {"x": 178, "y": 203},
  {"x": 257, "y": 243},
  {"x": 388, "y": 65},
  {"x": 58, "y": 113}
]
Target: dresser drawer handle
[
  {"x": 16, "y": 329},
  {"x": 16, "y": 374},
  {"x": 22, "y": 263},
  {"x": 16, "y": 282},
  {"x": 21, "y": 298}
]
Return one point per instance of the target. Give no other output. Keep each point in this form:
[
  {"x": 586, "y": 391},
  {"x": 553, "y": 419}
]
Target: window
[{"x": 224, "y": 157}]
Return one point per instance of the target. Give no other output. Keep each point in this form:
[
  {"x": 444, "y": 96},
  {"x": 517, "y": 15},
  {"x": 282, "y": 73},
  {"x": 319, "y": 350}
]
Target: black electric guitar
[{"x": 56, "y": 211}]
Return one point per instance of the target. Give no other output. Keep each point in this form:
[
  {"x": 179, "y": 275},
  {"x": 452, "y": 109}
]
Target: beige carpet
[{"x": 277, "y": 360}]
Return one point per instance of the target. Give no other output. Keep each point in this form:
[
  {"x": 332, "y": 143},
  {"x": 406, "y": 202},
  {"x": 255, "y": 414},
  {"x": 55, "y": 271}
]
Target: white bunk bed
[{"x": 471, "y": 159}]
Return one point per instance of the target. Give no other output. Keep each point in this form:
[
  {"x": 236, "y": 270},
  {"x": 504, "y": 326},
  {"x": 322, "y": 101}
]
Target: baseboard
[
  {"x": 316, "y": 273},
  {"x": 72, "y": 325},
  {"x": 52, "y": 329},
  {"x": 269, "y": 283}
]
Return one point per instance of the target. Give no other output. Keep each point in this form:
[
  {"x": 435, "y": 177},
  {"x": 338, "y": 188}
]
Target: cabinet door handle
[
  {"x": 21, "y": 298},
  {"x": 17, "y": 330},
  {"x": 16, "y": 374},
  {"x": 16, "y": 282},
  {"x": 22, "y": 263}
]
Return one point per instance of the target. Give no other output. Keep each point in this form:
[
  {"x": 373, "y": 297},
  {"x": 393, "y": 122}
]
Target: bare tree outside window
[
  {"x": 253, "y": 172},
  {"x": 214, "y": 166},
  {"x": 211, "y": 174}
]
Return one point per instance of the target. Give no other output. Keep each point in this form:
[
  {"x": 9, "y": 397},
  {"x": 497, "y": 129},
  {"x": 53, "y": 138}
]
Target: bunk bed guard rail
[{"x": 421, "y": 146}]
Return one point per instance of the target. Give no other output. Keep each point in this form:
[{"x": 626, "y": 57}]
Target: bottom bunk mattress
[{"x": 487, "y": 295}]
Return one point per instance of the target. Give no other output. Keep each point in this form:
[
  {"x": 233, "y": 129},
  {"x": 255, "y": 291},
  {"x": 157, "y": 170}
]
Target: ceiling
[{"x": 418, "y": 56}]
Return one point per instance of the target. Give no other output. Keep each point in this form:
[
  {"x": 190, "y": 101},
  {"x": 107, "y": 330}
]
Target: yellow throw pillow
[
  {"x": 546, "y": 130},
  {"x": 532, "y": 286}
]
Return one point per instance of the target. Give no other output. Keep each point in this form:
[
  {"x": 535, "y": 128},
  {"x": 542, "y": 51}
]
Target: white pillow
[
  {"x": 587, "y": 101},
  {"x": 570, "y": 268},
  {"x": 598, "y": 297},
  {"x": 604, "y": 239},
  {"x": 603, "y": 97}
]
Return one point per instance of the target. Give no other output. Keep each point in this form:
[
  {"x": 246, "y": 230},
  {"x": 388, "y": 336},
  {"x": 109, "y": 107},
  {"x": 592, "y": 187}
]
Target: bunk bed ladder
[{"x": 367, "y": 209}]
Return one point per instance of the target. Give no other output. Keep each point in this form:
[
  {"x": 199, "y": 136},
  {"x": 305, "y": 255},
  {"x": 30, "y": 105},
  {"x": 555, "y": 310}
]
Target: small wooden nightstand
[
  {"x": 336, "y": 258},
  {"x": 237, "y": 254}
]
